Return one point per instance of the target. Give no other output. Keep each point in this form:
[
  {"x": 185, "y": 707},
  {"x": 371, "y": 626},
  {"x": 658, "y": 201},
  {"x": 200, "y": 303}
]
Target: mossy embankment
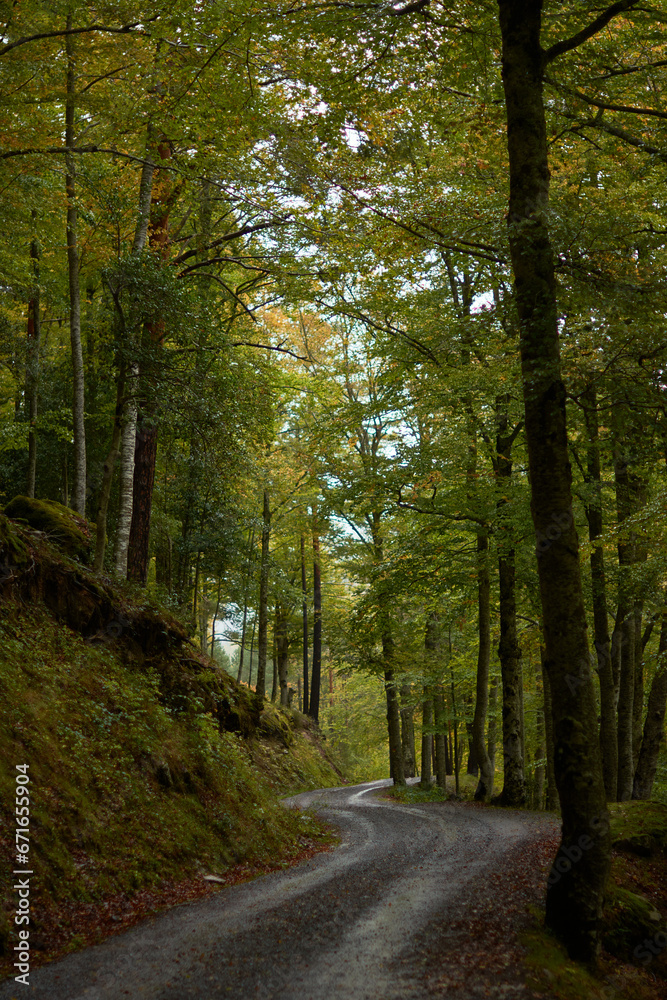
[{"x": 149, "y": 766}]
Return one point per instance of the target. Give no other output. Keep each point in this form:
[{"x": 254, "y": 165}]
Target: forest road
[{"x": 403, "y": 908}]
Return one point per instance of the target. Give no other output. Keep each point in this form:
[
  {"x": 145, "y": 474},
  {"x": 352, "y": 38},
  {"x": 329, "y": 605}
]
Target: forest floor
[{"x": 420, "y": 900}]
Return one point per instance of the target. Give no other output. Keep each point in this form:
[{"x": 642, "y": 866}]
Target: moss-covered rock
[
  {"x": 62, "y": 526},
  {"x": 630, "y": 923}
]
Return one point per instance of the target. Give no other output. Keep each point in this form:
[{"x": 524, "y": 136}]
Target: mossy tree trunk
[
  {"x": 163, "y": 195},
  {"x": 263, "y": 615},
  {"x": 630, "y": 497},
  {"x": 484, "y": 789},
  {"x": 304, "y": 623},
  {"x": 32, "y": 369},
  {"x": 316, "y": 671},
  {"x": 574, "y": 894},
  {"x": 282, "y": 650},
  {"x": 593, "y": 508},
  {"x": 407, "y": 732},
  {"x": 427, "y": 737},
  {"x": 509, "y": 652},
  {"x": 654, "y": 724},
  {"x": 78, "y": 374}
]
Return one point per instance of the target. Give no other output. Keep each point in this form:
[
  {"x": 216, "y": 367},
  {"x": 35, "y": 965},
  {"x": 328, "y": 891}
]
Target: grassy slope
[{"x": 137, "y": 787}]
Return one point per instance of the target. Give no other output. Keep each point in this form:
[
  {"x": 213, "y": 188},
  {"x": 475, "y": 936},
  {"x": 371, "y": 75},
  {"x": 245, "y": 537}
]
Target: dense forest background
[{"x": 261, "y": 325}]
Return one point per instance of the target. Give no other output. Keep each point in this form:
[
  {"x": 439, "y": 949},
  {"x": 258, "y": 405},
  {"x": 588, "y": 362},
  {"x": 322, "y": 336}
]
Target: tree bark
[
  {"x": 593, "y": 508},
  {"x": 540, "y": 743},
  {"x": 145, "y": 454},
  {"x": 509, "y": 653},
  {"x": 78, "y": 378},
  {"x": 629, "y": 498},
  {"x": 282, "y": 652},
  {"x": 128, "y": 378},
  {"x": 304, "y": 620},
  {"x": 105, "y": 488},
  {"x": 246, "y": 581},
  {"x": 262, "y": 625},
  {"x": 457, "y": 755},
  {"x": 484, "y": 788},
  {"x": 407, "y": 733},
  {"x": 32, "y": 373},
  {"x": 654, "y": 724},
  {"x": 575, "y": 891},
  {"x": 440, "y": 722},
  {"x": 316, "y": 671},
  {"x": 491, "y": 728},
  {"x": 427, "y": 737}
]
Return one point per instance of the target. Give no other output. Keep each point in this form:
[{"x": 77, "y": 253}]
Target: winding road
[{"x": 377, "y": 918}]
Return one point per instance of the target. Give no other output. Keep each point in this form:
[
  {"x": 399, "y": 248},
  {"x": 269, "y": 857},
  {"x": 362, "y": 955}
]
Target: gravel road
[{"x": 369, "y": 920}]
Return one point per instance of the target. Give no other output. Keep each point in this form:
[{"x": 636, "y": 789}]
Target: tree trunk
[
  {"x": 491, "y": 728},
  {"x": 315, "y": 676},
  {"x": 593, "y": 508},
  {"x": 638, "y": 694},
  {"x": 457, "y": 755},
  {"x": 246, "y": 581},
  {"x": 393, "y": 715},
  {"x": 252, "y": 649},
  {"x": 143, "y": 480},
  {"x": 32, "y": 373},
  {"x": 304, "y": 619},
  {"x": 654, "y": 723},
  {"x": 514, "y": 782},
  {"x": 105, "y": 488},
  {"x": 427, "y": 737},
  {"x": 509, "y": 653},
  {"x": 626, "y": 639},
  {"x": 145, "y": 453},
  {"x": 484, "y": 788},
  {"x": 540, "y": 741},
  {"x": 407, "y": 733},
  {"x": 274, "y": 682},
  {"x": 78, "y": 380},
  {"x": 440, "y": 723},
  {"x": 575, "y": 890},
  {"x": 127, "y": 391},
  {"x": 262, "y": 625},
  {"x": 128, "y": 440},
  {"x": 282, "y": 652}
]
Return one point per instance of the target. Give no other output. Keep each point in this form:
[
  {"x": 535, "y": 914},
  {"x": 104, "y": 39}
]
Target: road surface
[{"x": 374, "y": 919}]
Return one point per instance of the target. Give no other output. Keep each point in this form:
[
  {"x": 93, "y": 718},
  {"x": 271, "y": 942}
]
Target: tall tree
[{"x": 574, "y": 897}]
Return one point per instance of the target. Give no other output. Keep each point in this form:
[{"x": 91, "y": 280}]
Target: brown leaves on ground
[{"x": 63, "y": 927}]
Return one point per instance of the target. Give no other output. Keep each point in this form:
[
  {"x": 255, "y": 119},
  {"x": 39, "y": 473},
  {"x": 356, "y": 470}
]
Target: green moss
[
  {"x": 127, "y": 792},
  {"x": 640, "y": 827},
  {"x": 628, "y": 920},
  {"x": 62, "y": 526},
  {"x": 550, "y": 972},
  {"x": 413, "y": 793},
  {"x": 12, "y": 550}
]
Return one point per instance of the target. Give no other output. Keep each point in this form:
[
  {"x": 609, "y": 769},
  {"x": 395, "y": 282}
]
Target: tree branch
[
  {"x": 244, "y": 231},
  {"x": 125, "y": 29},
  {"x": 625, "y": 108},
  {"x": 269, "y": 347},
  {"x": 620, "y": 133},
  {"x": 589, "y": 31}
]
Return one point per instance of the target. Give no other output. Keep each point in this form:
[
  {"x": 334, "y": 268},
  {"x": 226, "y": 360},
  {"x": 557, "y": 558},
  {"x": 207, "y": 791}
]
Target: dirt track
[{"x": 409, "y": 906}]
